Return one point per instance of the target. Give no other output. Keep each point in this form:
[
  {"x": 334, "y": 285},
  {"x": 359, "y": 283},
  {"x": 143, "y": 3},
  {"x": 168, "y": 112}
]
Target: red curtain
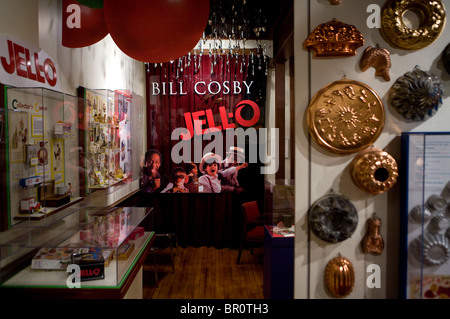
[{"x": 195, "y": 83}]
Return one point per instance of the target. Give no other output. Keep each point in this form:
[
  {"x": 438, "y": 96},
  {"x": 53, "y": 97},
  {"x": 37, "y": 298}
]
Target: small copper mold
[
  {"x": 372, "y": 242},
  {"x": 339, "y": 277},
  {"x": 334, "y": 38},
  {"x": 374, "y": 171},
  {"x": 377, "y": 58}
]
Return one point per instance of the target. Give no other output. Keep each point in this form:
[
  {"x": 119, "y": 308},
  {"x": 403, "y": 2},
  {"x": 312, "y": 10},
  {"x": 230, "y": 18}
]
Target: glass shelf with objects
[
  {"x": 41, "y": 155},
  {"x": 98, "y": 245},
  {"x": 112, "y": 119},
  {"x": 425, "y": 216}
]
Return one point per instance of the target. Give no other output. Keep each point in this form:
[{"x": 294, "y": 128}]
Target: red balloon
[
  {"x": 81, "y": 26},
  {"x": 158, "y": 30}
]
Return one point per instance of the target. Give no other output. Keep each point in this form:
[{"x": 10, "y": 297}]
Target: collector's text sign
[{"x": 24, "y": 65}]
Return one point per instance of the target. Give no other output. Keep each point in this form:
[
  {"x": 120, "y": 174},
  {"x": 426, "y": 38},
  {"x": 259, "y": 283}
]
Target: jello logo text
[{"x": 25, "y": 63}]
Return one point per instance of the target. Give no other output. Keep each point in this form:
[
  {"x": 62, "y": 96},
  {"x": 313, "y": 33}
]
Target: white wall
[
  {"x": 319, "y": 170},
  {"x": 20, "y": 18}
]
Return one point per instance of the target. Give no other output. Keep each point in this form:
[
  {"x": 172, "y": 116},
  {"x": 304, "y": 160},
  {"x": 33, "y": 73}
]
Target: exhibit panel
[{"x": 425, "y": 271}]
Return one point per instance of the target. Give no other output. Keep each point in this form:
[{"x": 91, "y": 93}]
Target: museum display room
[{"x": 326, "y": 121}]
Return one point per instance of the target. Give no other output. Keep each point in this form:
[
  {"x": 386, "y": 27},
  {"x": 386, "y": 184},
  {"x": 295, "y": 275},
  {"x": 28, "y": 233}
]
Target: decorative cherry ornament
[{"x": 156, "y": 31}]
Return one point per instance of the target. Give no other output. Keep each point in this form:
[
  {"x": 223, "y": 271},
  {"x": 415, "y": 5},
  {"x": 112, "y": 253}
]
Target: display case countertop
[{"x": 38, "y": 261}]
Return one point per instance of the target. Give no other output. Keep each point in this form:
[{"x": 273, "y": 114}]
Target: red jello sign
[
  {"x": 195, "y": 121},
  {"x": 24, "y": 65}
]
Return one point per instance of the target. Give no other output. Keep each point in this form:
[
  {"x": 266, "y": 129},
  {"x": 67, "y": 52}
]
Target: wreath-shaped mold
[
  {"x": 374, "y": 171},
  {"x": 333, "y": 218},
  {"x": 394, "y": 29}
]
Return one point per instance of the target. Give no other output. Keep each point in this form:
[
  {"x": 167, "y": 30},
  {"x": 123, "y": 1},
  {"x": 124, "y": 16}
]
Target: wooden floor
[{"x": 205, "y": 273}]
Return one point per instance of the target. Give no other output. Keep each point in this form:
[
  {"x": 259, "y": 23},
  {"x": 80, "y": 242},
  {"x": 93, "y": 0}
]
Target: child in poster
[
  {"x": 192, "y": 174},
  {"x": 178, "y": 178},
  {"x": 210, "y": 182}
]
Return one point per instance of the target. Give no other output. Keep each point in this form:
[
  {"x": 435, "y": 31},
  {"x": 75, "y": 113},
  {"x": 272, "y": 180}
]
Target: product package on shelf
[
  {"x": 29, "y": 205},
  {"x": 106, "y": 229},
  {"x": 108, "y": 255},
  {"x": 47, "y": 196},
  {"x": 54, "y": 258},
  {"x": 124, "y": 251},
  {"x": 138, "y": 232},
  {"x": 91, "y": 262}
]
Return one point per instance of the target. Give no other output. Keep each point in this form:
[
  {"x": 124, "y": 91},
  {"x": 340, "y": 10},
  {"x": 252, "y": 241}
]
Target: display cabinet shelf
[{"x": 46, "y": 212}]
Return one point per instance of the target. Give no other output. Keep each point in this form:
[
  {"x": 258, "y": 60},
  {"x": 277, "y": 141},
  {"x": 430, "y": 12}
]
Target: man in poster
[{"x": 151, "y": 179}]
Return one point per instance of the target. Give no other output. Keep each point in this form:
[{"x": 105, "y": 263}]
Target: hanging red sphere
[
  {"x": 156, "y": 31},
  {"x": 94, "y": 4},
  {"x": 81, "y": 26}
]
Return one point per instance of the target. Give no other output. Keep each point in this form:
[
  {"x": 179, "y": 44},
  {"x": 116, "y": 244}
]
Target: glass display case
[
  {"x": 111, "y": 139},
  {"x": 279, "y": 207},
  {"x": 91, "y": 248},
  {"x": 41, "y": 154},
  {"x": 108, "y": 132},
  {"x": 425, "y": 215},
  {"x": 60, "y": 155}
]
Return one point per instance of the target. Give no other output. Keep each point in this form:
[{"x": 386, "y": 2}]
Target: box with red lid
[{"x": 138, "y": 232}]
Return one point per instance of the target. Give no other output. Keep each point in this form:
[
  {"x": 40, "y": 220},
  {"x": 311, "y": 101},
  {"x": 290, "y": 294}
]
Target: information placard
[{"x": 425, "y": 215}]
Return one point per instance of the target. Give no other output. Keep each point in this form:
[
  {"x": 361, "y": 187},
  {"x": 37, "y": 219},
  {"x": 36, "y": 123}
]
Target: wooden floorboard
[{"x": 205, "y": 273}]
